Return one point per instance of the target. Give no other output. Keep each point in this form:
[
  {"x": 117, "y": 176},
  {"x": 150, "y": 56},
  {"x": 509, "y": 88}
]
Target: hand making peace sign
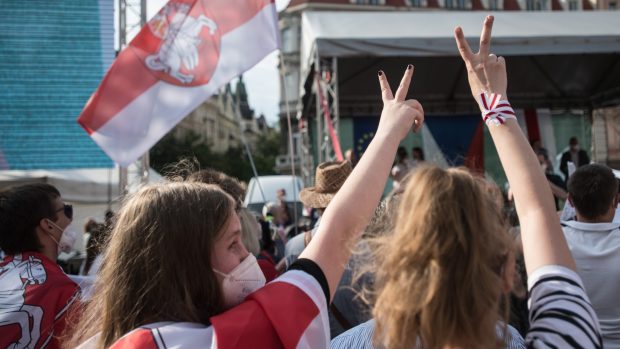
[
  {"x": 485, "y": 72},
  {"x": 399, "y": 115}
]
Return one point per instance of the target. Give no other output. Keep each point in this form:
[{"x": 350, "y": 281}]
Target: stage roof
[{"x": 554, "y": 59}]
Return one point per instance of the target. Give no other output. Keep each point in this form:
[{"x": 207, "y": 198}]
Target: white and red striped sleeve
[{"x": 290, "y": 312}]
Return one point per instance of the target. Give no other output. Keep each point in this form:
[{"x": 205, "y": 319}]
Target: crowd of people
[{"x": 439, "y": 263}]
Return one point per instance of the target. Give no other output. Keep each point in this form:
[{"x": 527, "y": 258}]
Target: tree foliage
[{"x": 233, "y": 162}]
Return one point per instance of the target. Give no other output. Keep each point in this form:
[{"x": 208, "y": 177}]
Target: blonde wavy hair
[
  {"x": 439, "y": 274},
  {"x": 157, "y": 265}
]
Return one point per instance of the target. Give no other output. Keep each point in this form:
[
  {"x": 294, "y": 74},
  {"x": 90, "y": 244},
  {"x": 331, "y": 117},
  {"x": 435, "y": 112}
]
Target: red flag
[{"x": 178, "y": 60}]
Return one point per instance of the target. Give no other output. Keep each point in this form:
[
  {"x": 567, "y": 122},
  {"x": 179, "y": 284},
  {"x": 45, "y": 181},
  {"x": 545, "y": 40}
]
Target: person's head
[
  {"x": 281, "y": 194},
  {"x": 401, "y": 154},
  {"x": 163, "y": 262},
  {"x": 250, "y": 231},
  {"x": 328, "y": 179},
  {"x": 350, "y": 156},
  {"x": 229, "y": 184},
  {"x": 442, "y": 273},
  {"x": 90, "y": 225},
  {"x": 33, "y": 218},
  {"x": 573, "y": 143},
  {"x": 592, "y": 190},
  {"x": 417, "y": 153},
  {"x": 543, "y": 160}
]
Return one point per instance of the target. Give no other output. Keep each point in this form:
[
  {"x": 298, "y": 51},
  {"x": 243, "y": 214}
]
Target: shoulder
[
  {"x": 295, "y": 245},
  {"x": 358, "y": 337},
  {"x": 169, "y": 335},
  {"x": 561, "y": 314},
  {"x": 265, "y": 317}
]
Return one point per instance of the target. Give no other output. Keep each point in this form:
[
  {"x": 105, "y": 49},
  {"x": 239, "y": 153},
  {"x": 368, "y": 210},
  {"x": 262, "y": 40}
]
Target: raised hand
[
  {"x": 399, "y": 115},
  {"x": 486, "y": 72}
]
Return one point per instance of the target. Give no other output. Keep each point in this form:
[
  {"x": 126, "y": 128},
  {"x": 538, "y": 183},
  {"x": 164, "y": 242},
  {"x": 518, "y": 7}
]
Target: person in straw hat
[{"x": 329, "y": 177}]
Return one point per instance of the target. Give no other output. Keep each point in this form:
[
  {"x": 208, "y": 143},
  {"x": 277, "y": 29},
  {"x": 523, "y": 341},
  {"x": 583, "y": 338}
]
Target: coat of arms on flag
[{"x": 185, "y": 53}]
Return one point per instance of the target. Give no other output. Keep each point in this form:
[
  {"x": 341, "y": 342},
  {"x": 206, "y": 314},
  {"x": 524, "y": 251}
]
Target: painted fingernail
[
  {"x": 409, "y": 67},
  {"x": 380, "y": 72}
]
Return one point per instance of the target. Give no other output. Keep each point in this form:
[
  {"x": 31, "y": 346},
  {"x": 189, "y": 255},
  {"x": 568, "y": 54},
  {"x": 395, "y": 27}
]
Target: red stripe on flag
[
  {"x": 138, "y": 339},
  {"x": 276, "y": 316},
  {"x": 128, "y": 77},
  {"x": 229, "y": 14},
  {"x": 474, "y": 159},
  {"x": 531, "y": 121}
]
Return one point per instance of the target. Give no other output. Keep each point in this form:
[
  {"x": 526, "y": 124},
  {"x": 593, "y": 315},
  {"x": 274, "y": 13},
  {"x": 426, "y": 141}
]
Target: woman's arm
[
  {"x": 543, "y": 240},
  {"x": 351, "y": 209}
]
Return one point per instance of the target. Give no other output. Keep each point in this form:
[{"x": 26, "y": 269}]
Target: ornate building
[{"x": 219, "y": 121}]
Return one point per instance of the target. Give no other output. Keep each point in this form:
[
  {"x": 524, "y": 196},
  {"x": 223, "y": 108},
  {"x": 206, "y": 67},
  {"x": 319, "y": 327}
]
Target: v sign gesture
[
  {"x": 543, "y": 240},
  {"x": 354, "y": 204},
  {"x": 398, "y": 114},
  {"x": 486, "y": 72}
]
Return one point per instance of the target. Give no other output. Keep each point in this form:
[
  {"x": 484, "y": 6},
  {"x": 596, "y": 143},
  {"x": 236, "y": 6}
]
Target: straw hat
[{"x": 329, "y": 177}]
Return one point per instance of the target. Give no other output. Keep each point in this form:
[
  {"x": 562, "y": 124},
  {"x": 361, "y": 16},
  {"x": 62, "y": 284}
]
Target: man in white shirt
[{"x": 594, "y": 241}]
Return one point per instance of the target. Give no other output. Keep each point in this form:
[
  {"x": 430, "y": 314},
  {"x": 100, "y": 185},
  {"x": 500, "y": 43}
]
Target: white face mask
[
  {"x": 246, "y": 278},
  {"x": 67, "y": 239}
]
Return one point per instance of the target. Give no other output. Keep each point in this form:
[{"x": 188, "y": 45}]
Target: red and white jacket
[
  {"x": 35, "y": 297},
  {"x": 289, "y": 312}
]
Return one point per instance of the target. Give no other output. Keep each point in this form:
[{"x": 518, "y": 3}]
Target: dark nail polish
[
  {"x": 380, "y": 72},
  {"x": 409, "y": 67}
]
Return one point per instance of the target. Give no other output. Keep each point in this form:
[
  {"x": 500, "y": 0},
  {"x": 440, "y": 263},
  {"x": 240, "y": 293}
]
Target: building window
[
  {"x": 573, "y": 5},
  {"x": 368, "y": 2},
  {"x": 613, "y": 5},
  {"x": 416, "y": 3},
  {"x": 289, "y": 40},
  {"x": 494, "y": 5},
  {"x": 291, "y": 81},
  {"x": 536, "y": 5},
  {"x": 457, "y": 4}
]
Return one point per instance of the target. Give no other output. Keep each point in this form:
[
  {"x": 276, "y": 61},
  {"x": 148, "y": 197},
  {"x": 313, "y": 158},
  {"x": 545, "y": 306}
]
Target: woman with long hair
[
  {"x": 442, "y": 275},
  {"x": 175, "y": 273}
]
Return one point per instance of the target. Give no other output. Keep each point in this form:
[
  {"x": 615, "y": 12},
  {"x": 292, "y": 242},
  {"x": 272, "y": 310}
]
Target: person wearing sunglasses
[{"x": 35, "y": 294}]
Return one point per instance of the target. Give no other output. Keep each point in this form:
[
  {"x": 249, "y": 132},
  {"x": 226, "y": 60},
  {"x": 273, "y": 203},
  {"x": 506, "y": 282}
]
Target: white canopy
[
  {"x": 398, "y": 34},
  {"x": 555, "y": 59},
  {"x": 86, "y": 186}
]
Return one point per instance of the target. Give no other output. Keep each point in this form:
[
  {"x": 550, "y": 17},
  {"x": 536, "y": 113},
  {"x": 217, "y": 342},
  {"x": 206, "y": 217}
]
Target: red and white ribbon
[{"x": 495, "y": 111}]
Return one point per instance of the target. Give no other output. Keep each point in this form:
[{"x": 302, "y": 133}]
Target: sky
[{"x": 262, "y": 82}]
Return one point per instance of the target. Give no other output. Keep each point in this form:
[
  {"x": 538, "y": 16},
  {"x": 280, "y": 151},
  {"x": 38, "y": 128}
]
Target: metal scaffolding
[
  {"x": 131, "y": 17},
  {"x": 326, "y": 92}
]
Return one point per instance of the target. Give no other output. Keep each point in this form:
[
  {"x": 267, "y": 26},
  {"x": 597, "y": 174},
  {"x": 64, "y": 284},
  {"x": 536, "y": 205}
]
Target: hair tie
[{"x": 495, "y": 111}]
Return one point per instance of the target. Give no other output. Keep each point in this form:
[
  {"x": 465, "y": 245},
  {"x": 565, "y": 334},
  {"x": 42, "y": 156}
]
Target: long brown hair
[
  {"x": 439, "y": 274},
  {"x": 157, "y": 266}
]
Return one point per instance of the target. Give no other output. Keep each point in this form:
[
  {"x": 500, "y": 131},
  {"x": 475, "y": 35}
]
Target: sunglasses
[{"x": 68, "y": 210}]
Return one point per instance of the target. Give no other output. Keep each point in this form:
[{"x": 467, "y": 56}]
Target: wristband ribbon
[{"x": 495, "y": 111}]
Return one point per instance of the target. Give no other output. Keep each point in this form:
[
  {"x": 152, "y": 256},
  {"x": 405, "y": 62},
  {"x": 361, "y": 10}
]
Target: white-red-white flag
[{"x": 177, "y": 61}]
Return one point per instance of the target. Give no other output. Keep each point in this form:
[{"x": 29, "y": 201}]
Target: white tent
[
  {"x": 567, "y": 59},
  {"x": 91, "y": 191},
  {"x": 555, "y": 60}
]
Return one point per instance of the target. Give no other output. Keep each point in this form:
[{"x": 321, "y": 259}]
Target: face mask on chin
[{"x": 246, "y": 278}]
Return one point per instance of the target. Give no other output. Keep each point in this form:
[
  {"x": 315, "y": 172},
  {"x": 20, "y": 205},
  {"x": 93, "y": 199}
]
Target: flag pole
[
  {"x": 290, "y": 137},
  {"x": 122, "y": 39},
  {"x": 145, "y": 160},
  {"x": 248, "y": 150}
]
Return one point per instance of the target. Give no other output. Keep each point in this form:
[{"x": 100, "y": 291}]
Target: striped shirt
[
  {"x": 561, "y": 315},
  {"x": 360, "y": 337}
]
